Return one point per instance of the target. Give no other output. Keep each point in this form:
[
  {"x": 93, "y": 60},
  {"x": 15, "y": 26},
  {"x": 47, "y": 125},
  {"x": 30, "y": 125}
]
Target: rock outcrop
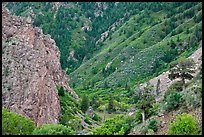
[{"x": 31, "y": 71}]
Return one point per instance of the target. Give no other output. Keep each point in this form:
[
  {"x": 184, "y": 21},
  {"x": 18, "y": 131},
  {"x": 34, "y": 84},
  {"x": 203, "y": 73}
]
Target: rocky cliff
[{"x": 31, "y": 71}]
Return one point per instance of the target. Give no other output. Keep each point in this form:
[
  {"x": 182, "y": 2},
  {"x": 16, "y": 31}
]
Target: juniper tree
[
  {"x": 182, "y": 69},
  {"x": 146, "y": 100},
  {"x": 158, "y": 87},
  {"x": 84, "y": 103}
]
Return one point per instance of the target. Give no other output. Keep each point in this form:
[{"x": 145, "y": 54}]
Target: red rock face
[{"x": 30, "y": 71}]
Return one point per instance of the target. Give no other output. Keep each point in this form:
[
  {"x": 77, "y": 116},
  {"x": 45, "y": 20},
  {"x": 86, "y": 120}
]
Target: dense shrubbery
[
  {"x": 173, "y": 100},
  {"x": 116, "y": 125},
  {"x": 192, "y": 97},
  {"x": 53, "y": 129},
  {"x": 96, "y": 117},
  {"x": 185, "y": 124},
  {"x": 15, "y": 124},
  {"x": 153, "y": 125},
  {"x": 69, "y": 108}
]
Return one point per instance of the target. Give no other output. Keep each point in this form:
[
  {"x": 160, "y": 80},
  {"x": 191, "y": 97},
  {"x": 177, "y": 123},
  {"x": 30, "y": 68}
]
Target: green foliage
[
  {"x": 146, "y": 100},
  {"x": 182, "y": 69},
  {"x": 199, "y": 89},
  {"x": 138, "y": 115},
  {"x": 192, "y": 96},
  {"x": 111, "y": 107},
  {"x": 127, "y": 52},
  {"x": 94, "y": 70},
  {"x": 185, "y": 124},
  {"x": 15, "y": 124},
  {"x": 116, "y": 125},
  {"x": 96, "y": 117},
  {"x": 95, "y": 102},
  {"x": 150, "y": 132},
  {"x": 173, "y": 100},
  {"x": 84, "y": 103},
  {"x": 143, "y": 130},
  {"x": 53, "y": 129},
  {"x": 153, "y": 125},
  {"x": 155, "y": 109},
  {"x": 177, "y": 85},
  {"x": 70, "y": 109},
  {"x": 60, "y": 91}
]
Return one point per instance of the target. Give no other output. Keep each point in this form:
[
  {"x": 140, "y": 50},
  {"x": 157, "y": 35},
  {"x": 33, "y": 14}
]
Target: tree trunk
[
  {"x": 143, "y": 116},
  {"x": 183, "y": 81}
]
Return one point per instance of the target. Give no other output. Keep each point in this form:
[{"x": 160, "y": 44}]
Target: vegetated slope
[
  {"x": 141, "y": 49},
  {"x": 76, "y": 27},
  {"x": 165, "y": 82},
  {"x": 79, "y": 28},
  {"x": 190, "y": 103}
]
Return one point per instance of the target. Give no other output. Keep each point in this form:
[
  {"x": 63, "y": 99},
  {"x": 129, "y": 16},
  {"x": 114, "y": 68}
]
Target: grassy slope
[{"x": 129, "y": 54}]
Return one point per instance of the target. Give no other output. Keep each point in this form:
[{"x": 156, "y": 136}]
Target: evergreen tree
[
  {"x": 84, "y": 103},
  {"x": 157, "y": 87},
  {"x": 182, "y": 69},
  {"x": 146, "y": 100},
  {"x": 95, "y": 102},
  {"x": 110, "y": 104}
]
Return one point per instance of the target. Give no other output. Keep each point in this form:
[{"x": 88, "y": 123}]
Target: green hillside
[
  {"x": 109, "y": 50},
  {"x": 139, "y": 50}
]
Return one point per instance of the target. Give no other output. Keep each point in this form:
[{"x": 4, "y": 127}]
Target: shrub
[
  {"x": 69, "y": 109},
  {"x": 184, "y": 125},
  {"x": 138, "y": 115},
  {"x": 53, "y": 129},
  {"x": 155, "y": 110},
  {"x": 87, "y": 120},
  {"x": 15, "y": 124},
  {"x": 101, "y": 108},
  {"x": 94, "y": 70},
  {"x": 71, "y": 121},
  {"x": 116, "y": 125},
  {"x": 144, "y": 130},
  {"x": 60, "y": 91},
  {"x": 96, "y": 117},
  {"x": 191, "y": 99},
  {"x": 173, "y": 101},
  {"x": 177, "y": 85},
  {"x": 150, "y": 132},
  {"x": 153, "y": 125}
]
